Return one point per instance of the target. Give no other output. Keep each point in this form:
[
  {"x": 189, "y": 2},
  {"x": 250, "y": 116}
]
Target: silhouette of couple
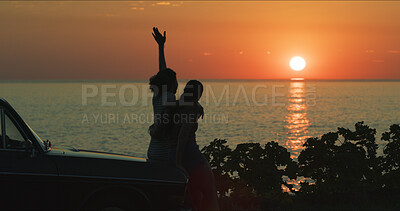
[{"x": 173, "y": 134}]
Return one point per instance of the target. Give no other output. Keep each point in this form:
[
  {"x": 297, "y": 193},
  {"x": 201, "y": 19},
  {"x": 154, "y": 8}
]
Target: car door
[{"x": 28, "y": 180}]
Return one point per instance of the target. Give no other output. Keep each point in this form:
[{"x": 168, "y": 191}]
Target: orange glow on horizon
[{"x": 230, "y": 40}]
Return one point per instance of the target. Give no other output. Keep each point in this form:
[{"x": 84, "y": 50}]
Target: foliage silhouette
[
  {"x": 250, "y": 174},
  {"x": 343, "y": 166},
  {"x": 342, "y": 171},
  {"x": 391, "y": 164}
]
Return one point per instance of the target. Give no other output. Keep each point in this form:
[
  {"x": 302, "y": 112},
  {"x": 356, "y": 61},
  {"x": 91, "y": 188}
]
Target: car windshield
[{"x": 39, "y": 140}]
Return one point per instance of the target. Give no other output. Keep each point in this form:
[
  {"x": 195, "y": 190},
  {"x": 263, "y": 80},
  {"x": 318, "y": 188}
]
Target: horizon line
[{"x": 185, "y": 79}]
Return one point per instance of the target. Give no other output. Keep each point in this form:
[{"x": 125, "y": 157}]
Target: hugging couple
[{"x": 173, "y": 134}]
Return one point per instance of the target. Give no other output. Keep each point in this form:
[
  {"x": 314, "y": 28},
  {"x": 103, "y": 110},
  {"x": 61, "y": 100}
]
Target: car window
[{"x": 14, "y": 139}]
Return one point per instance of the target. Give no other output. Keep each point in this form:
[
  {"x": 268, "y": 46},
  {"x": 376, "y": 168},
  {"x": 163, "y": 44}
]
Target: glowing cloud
[
  {"x": 163, "y": 3},
  {"x": 369, "y": 51},
  {"x": 137, "y": 8},
  {"x": 393, "y": 51}
]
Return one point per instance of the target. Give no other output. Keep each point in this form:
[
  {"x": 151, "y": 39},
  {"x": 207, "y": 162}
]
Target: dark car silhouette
[{"x": 34, "y": 175}]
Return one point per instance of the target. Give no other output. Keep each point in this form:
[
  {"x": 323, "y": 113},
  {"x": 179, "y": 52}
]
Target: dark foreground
[
  {"x": 342, "y": 169},
  {"x": 35, "y": 176}
]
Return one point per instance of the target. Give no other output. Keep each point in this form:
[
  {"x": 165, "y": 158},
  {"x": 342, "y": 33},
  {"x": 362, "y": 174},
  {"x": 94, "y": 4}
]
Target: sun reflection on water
[{"x": 297, "y": 122}]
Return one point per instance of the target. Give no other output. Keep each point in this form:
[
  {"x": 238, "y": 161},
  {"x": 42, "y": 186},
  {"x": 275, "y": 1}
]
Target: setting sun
[{"x": 297, "y": 63}]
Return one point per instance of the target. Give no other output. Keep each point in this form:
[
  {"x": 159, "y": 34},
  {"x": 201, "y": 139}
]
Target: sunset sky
[{"x": 205, "y": 40}]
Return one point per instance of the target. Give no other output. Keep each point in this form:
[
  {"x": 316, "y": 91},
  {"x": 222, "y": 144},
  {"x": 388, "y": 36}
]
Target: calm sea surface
[{"x": 115, "y": 116}]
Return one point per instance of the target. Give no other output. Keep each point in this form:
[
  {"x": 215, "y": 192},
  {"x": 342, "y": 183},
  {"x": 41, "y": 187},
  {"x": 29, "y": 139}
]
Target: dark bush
[
  {"x": 341, "y": 171},
  {"x": 391, "y": 166},
  {"x": 343, "y": 166},
  {"x": 250, "y": 176}
]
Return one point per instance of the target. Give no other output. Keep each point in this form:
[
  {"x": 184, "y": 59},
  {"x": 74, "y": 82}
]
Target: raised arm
[{"x": 160, "y": 39}]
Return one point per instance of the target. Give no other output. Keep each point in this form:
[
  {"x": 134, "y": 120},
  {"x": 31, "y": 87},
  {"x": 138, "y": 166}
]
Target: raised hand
[{"x": 160, "y": 39}]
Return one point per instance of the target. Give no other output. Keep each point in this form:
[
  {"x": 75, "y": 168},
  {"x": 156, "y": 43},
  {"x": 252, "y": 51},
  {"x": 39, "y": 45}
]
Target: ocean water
[{"x": 114, "y": 116}]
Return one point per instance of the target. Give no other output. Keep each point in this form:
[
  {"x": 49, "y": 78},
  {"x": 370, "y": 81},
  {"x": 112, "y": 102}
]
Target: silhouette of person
[
  {"x": 185, "y": 152},
  {"x": 163, "y": 85}
]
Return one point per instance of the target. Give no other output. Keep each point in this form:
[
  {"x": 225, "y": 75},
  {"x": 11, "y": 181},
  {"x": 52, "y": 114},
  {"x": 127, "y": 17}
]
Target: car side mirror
[{"x": 30, "y": 149}]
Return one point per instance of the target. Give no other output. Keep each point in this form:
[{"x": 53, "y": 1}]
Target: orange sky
[{"x": 205, "y": 40}]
